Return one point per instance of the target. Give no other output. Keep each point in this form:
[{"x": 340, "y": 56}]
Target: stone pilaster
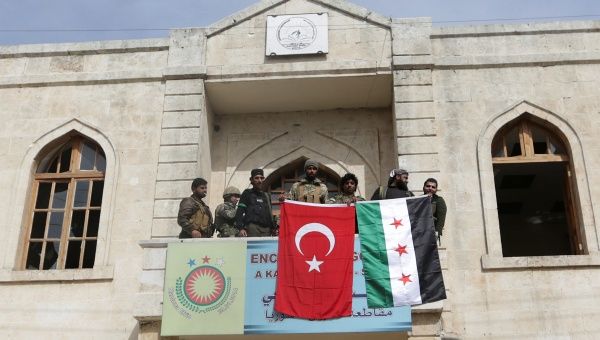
[
  {"x": 417, "y": 136},
  {"x": 184, "y": 153},
  {"x": 414, "y": 113}
]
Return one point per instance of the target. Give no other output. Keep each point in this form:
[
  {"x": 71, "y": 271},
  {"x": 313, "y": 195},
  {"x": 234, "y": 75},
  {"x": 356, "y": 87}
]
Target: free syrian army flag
[
  {"x": 314, "y": 260},
  {"x": 399, "y": 252}
]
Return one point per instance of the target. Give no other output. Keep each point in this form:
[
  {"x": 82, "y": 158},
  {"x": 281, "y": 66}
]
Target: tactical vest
[
  {"x": 201, "y": 221},
  {"x": 313, "y": 197}
]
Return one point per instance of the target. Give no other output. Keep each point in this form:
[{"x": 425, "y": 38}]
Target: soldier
[
  {"x": 348, "y": 185},
  {"x": 254, "y": 217},
  {"x": 397, "y": 186},
  {"x": 310, "y": 189},
  {"x": 225, "y": 213},
  {"x": 438, "y": 206},
  {"x": 194, "y": 215}
]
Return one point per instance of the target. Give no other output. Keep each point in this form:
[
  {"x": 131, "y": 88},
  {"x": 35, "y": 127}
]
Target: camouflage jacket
[
  {"x": 312, "y": 192},
  {"x": 344, "y": 199},
  {"x": 225, "y": 219}
]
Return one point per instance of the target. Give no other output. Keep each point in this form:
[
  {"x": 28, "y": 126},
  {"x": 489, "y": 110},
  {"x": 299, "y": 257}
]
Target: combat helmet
[{"x": 231, "y": 191}]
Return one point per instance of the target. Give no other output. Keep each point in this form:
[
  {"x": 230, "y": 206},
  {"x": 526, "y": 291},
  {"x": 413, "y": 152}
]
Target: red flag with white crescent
[{"x": 314, "y": 262}]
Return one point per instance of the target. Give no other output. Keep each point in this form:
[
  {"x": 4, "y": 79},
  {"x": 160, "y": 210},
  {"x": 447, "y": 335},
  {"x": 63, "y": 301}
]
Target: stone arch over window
[
  {"x": 281, "y": 180},
  {"x": 522, "y": 136},
  {"x": 91, "y": 160}
]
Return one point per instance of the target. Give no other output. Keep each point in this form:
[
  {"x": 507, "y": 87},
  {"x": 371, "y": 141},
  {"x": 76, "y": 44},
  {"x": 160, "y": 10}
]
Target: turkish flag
[{"x": 314, "y": 262}]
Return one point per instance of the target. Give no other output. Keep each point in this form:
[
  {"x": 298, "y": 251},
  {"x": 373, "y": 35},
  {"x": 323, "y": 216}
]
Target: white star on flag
[
  {"x": 314, "y": 264},
  {"x": 220, "y": 261}
]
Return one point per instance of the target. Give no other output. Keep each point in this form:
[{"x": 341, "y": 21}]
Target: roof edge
[{"x": 264, "y": 5}]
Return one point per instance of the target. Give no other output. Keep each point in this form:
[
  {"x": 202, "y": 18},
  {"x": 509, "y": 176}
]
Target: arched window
[
  {"x": 534, "y": 194},
  {"x": 281, "y": 180},
  {"x": 64, "y": 212}
]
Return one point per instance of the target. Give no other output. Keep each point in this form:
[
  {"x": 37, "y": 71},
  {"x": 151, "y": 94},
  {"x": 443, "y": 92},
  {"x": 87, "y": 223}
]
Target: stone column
[
  {"x": 414, "y": 111},
  {"x": 416, "y": 136},
  {"x": 184, "y": 146}
]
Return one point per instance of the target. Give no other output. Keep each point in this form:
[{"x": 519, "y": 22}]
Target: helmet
[{"x": 231, "y": 191}]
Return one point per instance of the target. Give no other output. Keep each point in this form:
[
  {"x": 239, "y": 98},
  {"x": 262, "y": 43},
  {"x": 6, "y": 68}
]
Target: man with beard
[
  {"x": 438, "y": 206},
  {"x": 194, "y": 217},
  {"x": 397, "y": 186},
  {"x": 348, "y": 185},
  {"x": 254, "y": 217},
  {"x": 309, "y": 189}
]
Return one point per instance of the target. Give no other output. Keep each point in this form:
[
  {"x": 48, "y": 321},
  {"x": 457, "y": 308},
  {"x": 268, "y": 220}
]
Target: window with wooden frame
[
  {"x": 65, "y": 206},
  {"x": 281, "y": 181},
  {"x": 534, "y": 191}
]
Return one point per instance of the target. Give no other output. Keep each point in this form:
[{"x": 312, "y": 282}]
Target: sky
[{"x": 55, "y": 21}]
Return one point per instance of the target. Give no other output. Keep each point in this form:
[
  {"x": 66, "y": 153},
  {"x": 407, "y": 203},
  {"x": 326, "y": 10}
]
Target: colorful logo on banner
[
  {"x": 204, "y": 291},
  {"x": 228, "y": 287}
]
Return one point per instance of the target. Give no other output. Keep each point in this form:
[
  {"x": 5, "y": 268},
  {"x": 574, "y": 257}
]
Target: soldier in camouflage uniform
[
  {"x": 310, "y": 189},
  {"x": 225, "y": 213},
  {"x": 348, "y": 185},
  {"x": 194, "y": 217}
]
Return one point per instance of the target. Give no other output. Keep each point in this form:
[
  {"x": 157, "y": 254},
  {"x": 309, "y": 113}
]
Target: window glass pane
[
  {"x": 60, "y": 195},
  {"x": 93, "y": 222},
  {"x": 89, "y": 254},
  {"x": 55, "y": 226},
  {"x": 556, "y": 147},
  {"x": 43, "y": 196},
  {"x": 100, "y": 160},
  {"x": 53, "y": 166},
  {"x": 51, "y": 254},
  {"x": 287, "y": 186},
  {"x": 65, "y": 160},
  {"x": 33, "y": 255},
  {"x": 77, "y": 223},
  {"x": 498, "y": 147},
  {"x": 539, "y": 140},
  {"x": 513, "y": 144},
  {"x": 88, "y": 155},
  {"x": 39, "y": 224},
  {"x": 73, "y": 251},
  {"x": 97, "y": 188},
  {"x": 81, "y": 193}
]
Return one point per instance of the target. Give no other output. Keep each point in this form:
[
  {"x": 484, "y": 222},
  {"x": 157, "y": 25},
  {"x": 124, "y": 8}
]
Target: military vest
[
  {"x": 312, "y": 197},
  {"x": 201, "y": 220}
]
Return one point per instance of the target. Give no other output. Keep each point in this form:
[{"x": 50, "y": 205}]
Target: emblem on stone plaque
[{"x": 297, "y": 34}]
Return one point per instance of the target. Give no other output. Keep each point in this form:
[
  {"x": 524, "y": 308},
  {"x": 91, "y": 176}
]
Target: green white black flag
[{"x": 399, "y": 252}]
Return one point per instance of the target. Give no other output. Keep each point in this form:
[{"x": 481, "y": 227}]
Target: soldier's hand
[
  {"x": 196, "y": 234},
  {"x": 243, "y": 233}
]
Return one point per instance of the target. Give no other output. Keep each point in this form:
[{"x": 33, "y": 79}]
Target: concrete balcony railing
[{"x": 426, "y": 319}]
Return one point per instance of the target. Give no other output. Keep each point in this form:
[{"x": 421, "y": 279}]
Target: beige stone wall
[
  {"x": 351, "y": 40},
  {"x": 483, "y": 76},
  {"x": 96, "y": 94},
  {"x": 357, "y": 141}
]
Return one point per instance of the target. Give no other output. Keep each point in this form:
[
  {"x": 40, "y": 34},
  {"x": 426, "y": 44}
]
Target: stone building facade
[{"x": 389, "y": 93}]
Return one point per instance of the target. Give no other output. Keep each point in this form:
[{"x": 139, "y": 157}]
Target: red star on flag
[
  {"x": 401, "y": 250},
  {"x": 397, "y": 223},
  {"x": 405, "y": 279},
  {"x": 205, "y": 259}
]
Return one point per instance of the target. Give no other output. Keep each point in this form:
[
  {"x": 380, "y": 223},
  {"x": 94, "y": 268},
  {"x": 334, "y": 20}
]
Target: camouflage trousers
[{"x": 228, "y": 231}]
